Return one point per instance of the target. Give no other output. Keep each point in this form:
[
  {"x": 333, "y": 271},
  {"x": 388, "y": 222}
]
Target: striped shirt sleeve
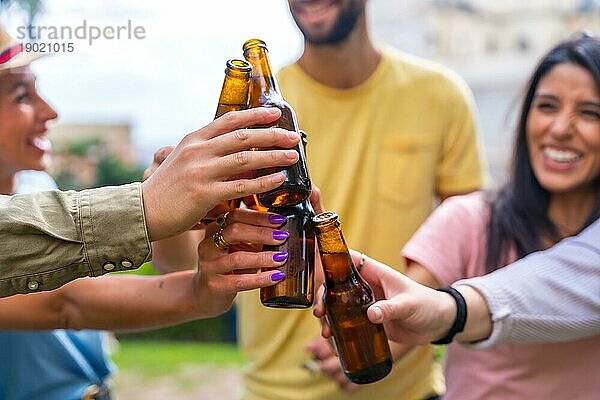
[{"x": 549, "y": 296}]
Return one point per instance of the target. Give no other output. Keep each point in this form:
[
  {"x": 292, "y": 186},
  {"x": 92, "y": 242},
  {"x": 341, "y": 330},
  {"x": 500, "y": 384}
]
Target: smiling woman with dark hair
[
  {"x": 553, "y": 192},
  {"x": 561, "y": 110}
]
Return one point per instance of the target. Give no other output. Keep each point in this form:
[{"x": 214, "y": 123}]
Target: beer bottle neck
[
  {"x": 234, "y": 93},
  {"x": 264, "y": 84},
  {"x": 340, "y": 272},
  {"x": 337, "y": 262}
]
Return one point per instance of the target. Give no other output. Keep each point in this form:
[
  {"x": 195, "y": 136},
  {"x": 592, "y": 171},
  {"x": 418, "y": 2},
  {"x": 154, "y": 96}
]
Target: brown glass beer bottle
[
  {"x": 296, "y": 290},
  {"x": 234, "y": 97},
  {"x": 362, "y": 346},
  {"x": 236, "y": 87},
  {"x": 264, "y": 92}
]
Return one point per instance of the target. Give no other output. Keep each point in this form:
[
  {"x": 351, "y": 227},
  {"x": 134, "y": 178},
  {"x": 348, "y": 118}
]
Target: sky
[{"x": 166, "y": 84}]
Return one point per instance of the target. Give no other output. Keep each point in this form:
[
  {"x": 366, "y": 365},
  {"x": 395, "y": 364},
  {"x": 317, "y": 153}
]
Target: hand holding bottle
[
  {"x": 225, "y": 251},
  {"x": 196, "y": 175},
  {"x": 410, "y": 312},
  {"x": 362, "y": 345}
]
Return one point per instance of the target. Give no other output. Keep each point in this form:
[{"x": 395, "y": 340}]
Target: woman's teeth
[
  {"x": 42, "y": 143},
  {"x": 563, "y": 156}
]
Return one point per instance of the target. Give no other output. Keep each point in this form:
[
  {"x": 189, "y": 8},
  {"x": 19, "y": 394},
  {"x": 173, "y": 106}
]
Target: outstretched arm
[
  {"x": 141, "y": 302},
  {"x": 50, "y": 238},
  {"x": 549, "y": 296},
  {"x": 413, "y": 313}
]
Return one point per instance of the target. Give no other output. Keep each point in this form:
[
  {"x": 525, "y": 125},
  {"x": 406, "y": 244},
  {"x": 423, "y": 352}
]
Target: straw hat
[{"x": 13, "y": 54}]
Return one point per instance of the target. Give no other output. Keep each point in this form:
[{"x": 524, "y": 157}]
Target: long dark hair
[{"x": 519, "y": 210}]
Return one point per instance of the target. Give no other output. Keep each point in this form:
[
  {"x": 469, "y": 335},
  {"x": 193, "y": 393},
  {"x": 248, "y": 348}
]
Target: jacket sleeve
[
  {"x": 549, "y": 296},
  {"x": 50, "y": 238}
]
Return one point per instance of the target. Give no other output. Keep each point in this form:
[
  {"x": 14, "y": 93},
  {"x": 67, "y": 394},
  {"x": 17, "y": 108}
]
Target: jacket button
[{"x": 108, "y": 266}]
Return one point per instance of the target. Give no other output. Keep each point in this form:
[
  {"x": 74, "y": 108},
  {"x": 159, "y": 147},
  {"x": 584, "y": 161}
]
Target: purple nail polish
[
  {"x": 281, "y": 256},
  {"x": 277, "y": 276},
  {"x": 280, "y": 235},
  {"x": 277, "y": 219}
]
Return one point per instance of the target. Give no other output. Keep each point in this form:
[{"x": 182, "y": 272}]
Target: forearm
[
  {"x": 550, "y": 296},
  {"x": 178, "y": 253},
  {"x": 122, "y": 303},
  {"x": 479, "y": 322},
  {"x": 112, "y": 302}
]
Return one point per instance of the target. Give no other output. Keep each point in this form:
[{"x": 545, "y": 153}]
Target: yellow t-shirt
[{"x": 379, "y": 152}]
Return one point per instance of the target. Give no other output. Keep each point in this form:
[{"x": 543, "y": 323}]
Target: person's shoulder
[
  {"x": 476, "y": 199},
  {"x": 419, "y": 66},
  {"x": 287, "y": 69},
  {"x": 419, "y": 70},
  {"x": 473, "y": 205}
]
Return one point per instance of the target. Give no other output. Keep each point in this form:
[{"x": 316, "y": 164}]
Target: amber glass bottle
[
  {"x": 236, "y": 87},
  {"x": 234, "y": 97},
  {"x": 362, "y": 346},
  {"x": 264, "y": 92},
  {"x": 296, "y": 290}
]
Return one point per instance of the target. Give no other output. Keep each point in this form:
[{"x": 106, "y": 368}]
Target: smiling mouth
[
  {"x": 317, "y": 8},
  {"x": 41, "y": 143},
  {"x": 309, "y": 8},
  {"x": 561, "y": 156}
]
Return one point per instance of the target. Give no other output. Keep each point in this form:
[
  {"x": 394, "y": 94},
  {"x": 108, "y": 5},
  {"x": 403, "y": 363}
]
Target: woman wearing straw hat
[{"x": 67, "y": 364}]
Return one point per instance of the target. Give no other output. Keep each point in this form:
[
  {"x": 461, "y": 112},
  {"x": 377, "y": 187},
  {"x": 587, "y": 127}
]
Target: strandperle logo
[{"x": 84, "y": 31}]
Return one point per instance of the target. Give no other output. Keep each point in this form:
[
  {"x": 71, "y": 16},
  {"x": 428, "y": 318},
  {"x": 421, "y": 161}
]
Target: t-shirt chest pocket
[{"x": 406, "y": 171}]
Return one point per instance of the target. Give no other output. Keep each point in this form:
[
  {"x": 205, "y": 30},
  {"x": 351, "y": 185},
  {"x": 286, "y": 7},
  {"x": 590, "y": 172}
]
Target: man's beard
[{"x": 342, "y": 28}]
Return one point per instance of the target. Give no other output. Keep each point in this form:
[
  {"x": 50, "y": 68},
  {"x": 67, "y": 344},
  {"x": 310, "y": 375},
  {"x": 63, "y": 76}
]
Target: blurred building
[
  {"x": 79, "y": 149},
  {"x": 492, "y": 44},
  {"x": 476, "y": 28}
]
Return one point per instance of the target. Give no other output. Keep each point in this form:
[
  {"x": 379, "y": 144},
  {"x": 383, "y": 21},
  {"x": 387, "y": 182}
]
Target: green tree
[{"x": 111, "y": 171}]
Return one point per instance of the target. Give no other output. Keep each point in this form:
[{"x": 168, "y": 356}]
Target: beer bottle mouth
[
  {"x": 239, "y": 65},
  {"x": 254, "y": 43},
  {"x": 326, "y": 219}
]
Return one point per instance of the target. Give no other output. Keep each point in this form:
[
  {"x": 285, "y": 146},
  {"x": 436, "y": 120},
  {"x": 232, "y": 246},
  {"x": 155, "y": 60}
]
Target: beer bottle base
[
  {"x": 287, "y": 302},
  {"x": 284, "y": 196},
  {"x": 371, "y": 374}
]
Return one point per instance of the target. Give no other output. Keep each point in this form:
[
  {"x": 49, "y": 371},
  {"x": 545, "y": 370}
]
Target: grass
[{"x": 153, "y": 358}]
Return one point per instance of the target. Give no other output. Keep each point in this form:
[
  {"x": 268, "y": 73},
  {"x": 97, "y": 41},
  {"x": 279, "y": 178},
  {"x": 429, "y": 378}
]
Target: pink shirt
[{"x": 451, "y": 244}]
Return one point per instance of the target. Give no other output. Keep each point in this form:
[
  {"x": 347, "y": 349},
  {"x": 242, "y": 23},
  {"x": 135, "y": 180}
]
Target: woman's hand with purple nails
[{"x": 223, "y": 272}]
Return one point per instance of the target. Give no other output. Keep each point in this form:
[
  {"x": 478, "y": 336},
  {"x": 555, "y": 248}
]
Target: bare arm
[
  {"x": 111, "y": 302},
  {"x": 177, "y": 253}
]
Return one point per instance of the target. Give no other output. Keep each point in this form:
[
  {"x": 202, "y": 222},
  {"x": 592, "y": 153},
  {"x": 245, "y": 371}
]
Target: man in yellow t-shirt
[{"x": 388, "y": 133}]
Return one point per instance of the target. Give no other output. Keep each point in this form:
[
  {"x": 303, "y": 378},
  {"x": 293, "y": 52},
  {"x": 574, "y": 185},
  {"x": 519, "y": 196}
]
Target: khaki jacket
[{"x": 50, "y": 238}]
